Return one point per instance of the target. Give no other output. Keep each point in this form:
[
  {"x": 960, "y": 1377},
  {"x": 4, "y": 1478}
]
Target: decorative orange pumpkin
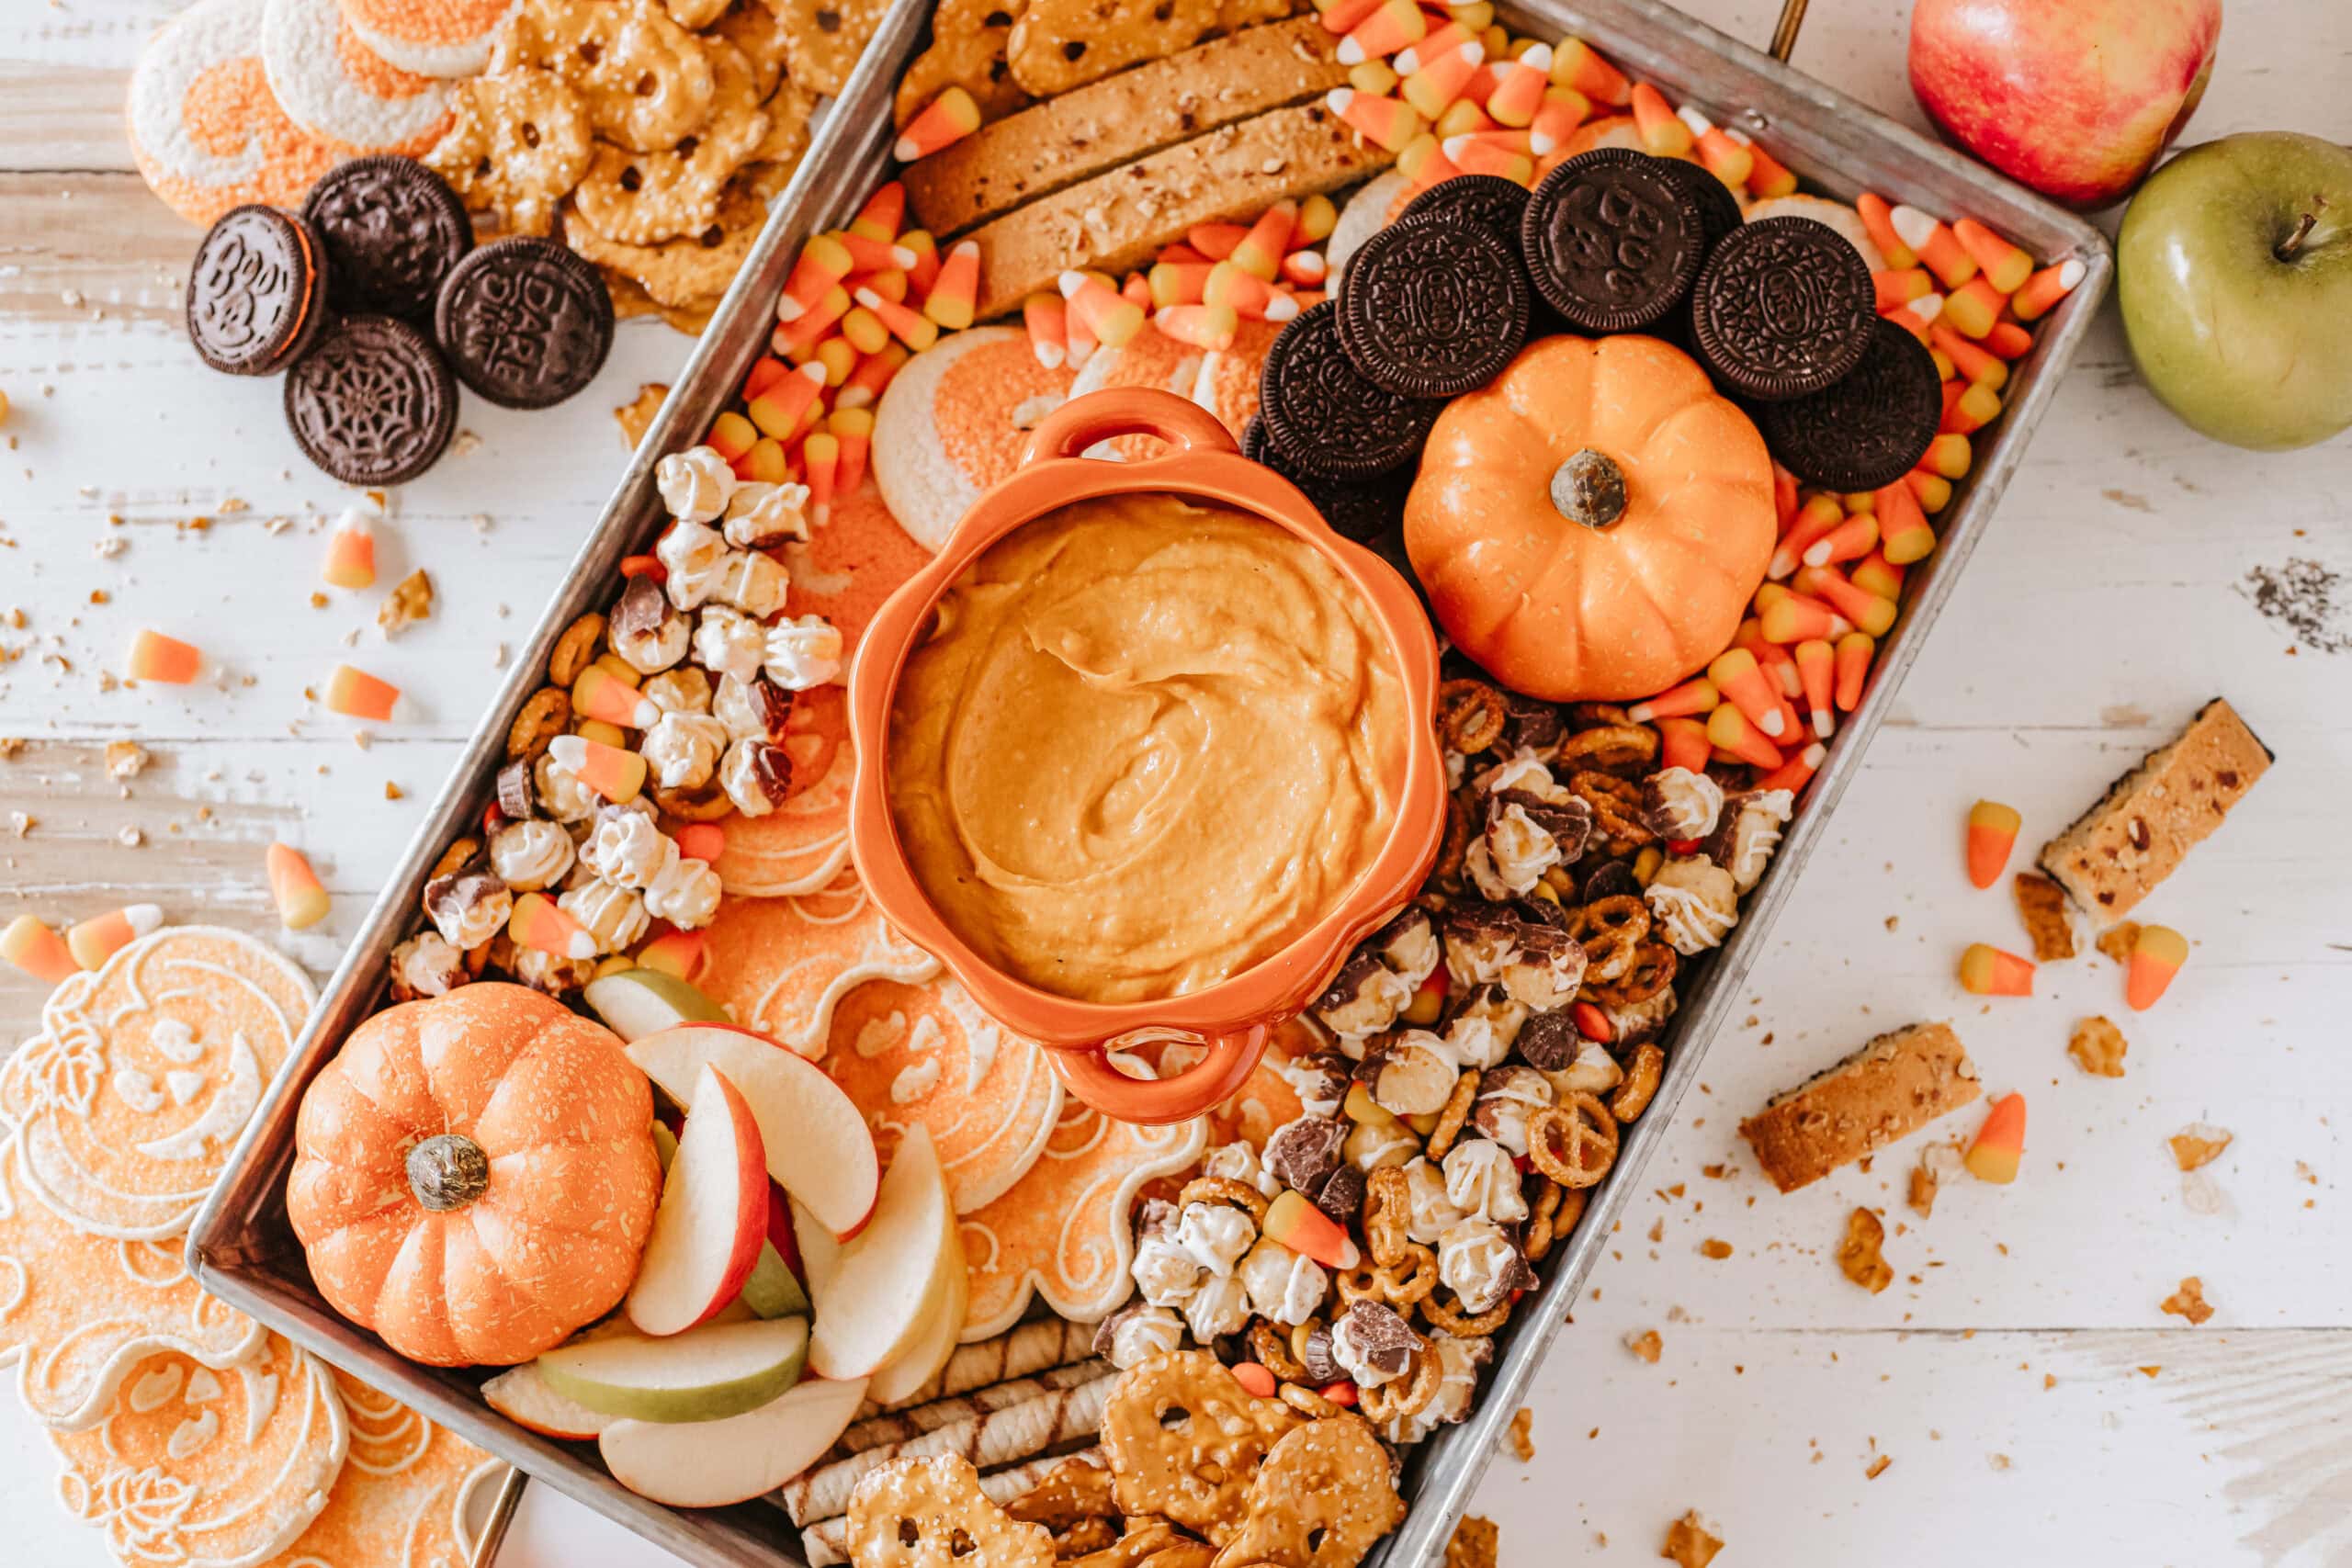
[
  {"x": 1591, "y": 525},
  {"x": 474, "y": 1175}
]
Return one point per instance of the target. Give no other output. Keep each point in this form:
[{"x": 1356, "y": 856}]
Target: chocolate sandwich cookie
[
  {"x": 1361, "y": 510},
  {"x": 373, "y": 403},
  {"x": 1433, "y": 307},
  {"x": 258, "y": 294},
  {"x": 1612, "y": 241},
  {"x": 1719, "y": 211},
  {"x": 1783, "y": 308},
  {"x": 1491, "y": 201},
  {"x": 1869, "y": 429},
  {"x": 1328, "y": 418},
  {"x": 526, "y": 322},
  {"x": 394, "y": 229}
]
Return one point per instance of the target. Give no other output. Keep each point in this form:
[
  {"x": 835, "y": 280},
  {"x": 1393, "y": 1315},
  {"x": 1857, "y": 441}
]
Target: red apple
[
  {"x": 2073, "y": 98},
  {"x": 714, "y": 1214}
]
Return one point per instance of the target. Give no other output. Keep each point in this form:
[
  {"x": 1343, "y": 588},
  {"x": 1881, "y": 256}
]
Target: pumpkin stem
[
  {"x": 1589, "y": 487},
  {"x": 447, "y": 1172}
]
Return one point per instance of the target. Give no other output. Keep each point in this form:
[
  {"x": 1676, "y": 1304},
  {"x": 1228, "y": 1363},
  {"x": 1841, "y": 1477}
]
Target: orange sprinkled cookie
[
  {"x": 432, "y": 38},
  {"x": 953, "y": 422},
  {"x": 1268, "y": 1099},
  {"x": 339, "y": 90},
  {"x": 1150, "y": 358},
  {"x": 205, "y": 128},
  {"x": 1228, "y": 383},
  {"x": 782, "y": 966}
]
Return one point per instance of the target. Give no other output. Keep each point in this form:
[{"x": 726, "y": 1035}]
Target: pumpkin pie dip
[{"x": 1147, "y": 745}]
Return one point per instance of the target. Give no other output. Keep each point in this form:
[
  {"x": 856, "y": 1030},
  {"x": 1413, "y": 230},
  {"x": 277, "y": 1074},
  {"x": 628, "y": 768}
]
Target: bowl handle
[
  {"x": 1078, "y": 423},
  {"x": 1199, "y": 1089}
]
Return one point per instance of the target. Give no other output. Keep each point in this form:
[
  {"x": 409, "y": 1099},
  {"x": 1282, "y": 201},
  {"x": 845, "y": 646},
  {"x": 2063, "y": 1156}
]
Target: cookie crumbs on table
[
  {"x": 2098, "y": 1047},
  {"x": 1690, "y": 1541},
  {"x": 2199, "y": 1145},
  {"x": 1476, "y": 1542},
  {"x": 2189, "y": 1302}
]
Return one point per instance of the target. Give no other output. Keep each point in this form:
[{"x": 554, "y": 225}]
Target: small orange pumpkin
[
  {"x": 474, "y": 1175},
  {"x": 1591, "y": 525}
]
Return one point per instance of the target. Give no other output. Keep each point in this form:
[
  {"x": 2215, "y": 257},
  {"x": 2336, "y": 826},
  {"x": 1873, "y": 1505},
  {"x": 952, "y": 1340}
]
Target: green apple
[
  {"x": 707, "y": 1373},
  {"x": 736, "y": 1459},
  {"x": 635, "y": 1003},
  {"x": 2234, "y": 272}
]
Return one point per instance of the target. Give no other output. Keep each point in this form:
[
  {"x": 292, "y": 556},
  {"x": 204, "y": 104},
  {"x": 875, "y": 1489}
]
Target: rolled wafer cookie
[
  {"x": 1017, "y": 1353},
  {"x": 1001, "y": 1436},
  {"x": 905, "y": 1425},
  {"x": 826, "y": 1542}
]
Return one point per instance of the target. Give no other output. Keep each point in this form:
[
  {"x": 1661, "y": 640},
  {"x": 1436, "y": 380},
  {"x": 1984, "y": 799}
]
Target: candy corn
[
  {"x": 1386, "y": 123},
  {"x": 1440, "y": 77},
  {"x": 1109, "y": 317},
  {"x": 1576, "y": 64},
  {"x": 1875, "y": 574},
  {"x": 1683, "y": 743},
  {"x": 823, "y": 262},
  {"x": 853, "y": 429},
  {"x": 1737, "y": 675},
  {"x": 1878, "y": 221},
  {"x": 1978, "y": 364},
  {"x": 301, "y": 899},
  {"x": 1986, "y": 971},
  {"x": 1662, "y": 129},
  {"x": 1258, "y": 252},
  {"x": 1855, "y": 650},
  {"x": 837, "y": 357},
  {"x": 1228, "y": 285},
  {"x": 1340, "y": 16},
  {"x": 2039, "y": 294},
  {"x": 764, "y": 373},
  {"x": 1972, "y": 309},
  {"x": 537, "y": 923},
  {"x": 1730, "y": 728},
  {"x": 1199, "y": 326},
  {"x": 956, "y": 288},
  {"x": 2003, "y": 264},
  {"x": 1391, "y": 25},
  {"x": 1519, "y": 88},
  {"x": 1897, "y": 288},
  {"x": 1994, "y": 1156},
  {"x": 597, "y": 695},
  {"x": 1827, "y": 584},
  {"x": 164, "y": 660},
  {"x": 1424, "y": 52},
  {"x": 611, "y": 771},
  {"x": 914, "y": 329},
  {"x": 1306, "y": 269},
  {"x": 1932, "y": 492},
  {"x": 1937, "y": 247},
  {"x": 2157, "y": 956},
  {"x": 1919, "y": 316},
  {"x": 1977, "y": 406},
  {"x": 1317, "y": 216},
  {"x": 1726, "y": 159},
  {"x": 1767, "y": 176},
  {"x": 2009, "y": 340},
  {"x": 794, "y": 338},
  {"x": 1817, "y": 672},
  {"x": 766, "y": 463},
  {"x": 873, "y": 373},
  {"x": 99, "y": 938},
  {"x": 948, "y": 117},
  {"x": 1797, "y": 772},
  {"x": 821, "y": 457},
  {"x": 730, "y": 434},
  {"x": 37, "y": 950},
  {"x": 1816, "y": 519},
  {"x": 924, "y": 273},
  {"x": 777, "y": 410},
  {"x": 1789, "y": 616},
  {"x": 1904, "y": 534},
  {"x": 1377, "y": 77},
  {"x": 355, "y": 694},
  {"x": 1992, "y": 834},
  {"x": 1557, "y": 119},
  {"x": 1949, "y": 455},
  {"x": 1423, "y": 162},
  {"x": 351, "y": 552},
  {"x": 1854, "y": 538},
  {"x": 1474, "y": 154},
  {"x": 884, "y": 214},
  {"x": 1465, "y": 117},
  {"x": 1698, "y": 694},
  {"x": 682, "y": 954}
]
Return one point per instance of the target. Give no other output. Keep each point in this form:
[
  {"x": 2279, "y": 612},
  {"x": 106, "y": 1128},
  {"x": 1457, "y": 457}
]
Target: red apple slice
[
  {"x": 815, "y": 1138},
  {"x": 714, "y": 1215},
  {"x": 876, "y": 1294},
  {"x": 713, "y": 1463},
  {"x": 899, "y": 1380}
]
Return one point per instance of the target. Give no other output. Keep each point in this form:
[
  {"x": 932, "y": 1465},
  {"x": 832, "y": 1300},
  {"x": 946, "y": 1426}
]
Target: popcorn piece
[
  {"x": 626, "y": 848},
  {"x": 1163, "y": 1271},
  {"x": 1429, "y": 1208},
  {"x": 764, "y": 516},
  {"x": 1137, "y": 1334},
  {"x": 355, "y": 694},
  {"x": 684, "y": 892},
  {"x": 1374, "y": 1344},
  {"x": 539, "y": 925},
  {"x": 727, "y": 642},
  {"x": 1364, "y": 998},
  {"x": 426, "y": 965},
  {"x": 1479, "y": 940},
  {"x": 100, "y": 937},
  {"x": 1481, "y": 1179},
  {"x": 1986, "y": 971},
  {"x": 2157, "y": 953},
  {"x": 1458, "y": 1362},
  {"x": 1215, "y": 1235},
  {"x": 1526, "y": 835},
  {"x": 2189, "y": 1302},
  {"x": 612, "y": 771},
  {"x": 2199, "y": 1145},
  {"x": 1992, "y": 834},
  {"x": 1219, "y": 1305},
  {"x": 530, "y": 854},
  {"x": 351, "y": 552},
  {"x": 1320, "y": 1081},
  {"x": 301, "y": 900},
  {"x": 1480, "y": 1034},
  {"x": 165, "y": 661},
  {"x": 804, "y": 653},
  {"x": 37, "y": 950},
  {"x": 756, "y": 777},
  {"x": 1284, "y": 1286},
  {"x": 1299, "y": 1226},
  {"x": 754, "y": 709},
  {"x": 683, "y": 749},
  {"x": 1478, "y": 1262},
  {"x": 1544, "y": 971},
  {"x": 1236, "y": 1161},
  {"x": 695, "y": 484},
  {"x": 555, "y": 973},
  {"x": 467, "y": 907},
  {"x": 612, "y": 916},
  {"x": 1747, "y": 833},
  {"x": 1381, "y": 1141},
  {"x": 1638, "y": 1022},
  {"x": 1694, "y": 901},
  {"x": 1678, "y": 803},
  {"x": 1407, "y": 944},
  {"x": 696, "y": 558},
  {"x": 685, "y": 690},
  {"x": 753, "y": 583},
  {"x": 1858, "y": 1254},
  {"x": 562, "y": 794},
  {"x": 1508, "y": 1096},
  {"x": 646, "y": 630},
  {"x": 1409, "y": 1073},
  {"x": 2000, "y": 1142},
  {"x": 2098, "y": 1047}
]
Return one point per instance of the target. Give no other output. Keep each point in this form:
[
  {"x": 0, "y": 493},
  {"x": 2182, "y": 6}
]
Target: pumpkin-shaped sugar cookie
[{"x": 474, "y": 1175}]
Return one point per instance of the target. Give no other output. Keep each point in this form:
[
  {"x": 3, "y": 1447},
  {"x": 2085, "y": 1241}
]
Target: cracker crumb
[
  {"x": 1714, "y": 1249},
  {"x": 2189, "y": 1302},
  {"x": 22, "y": 823},
  {"x": 2117, "y": 940},
  {"x": 2098, "y": 1047},
  {"x": 465, "y": 441},
  {"x": 1521, "y": 1434},
  {"x": 110, "y": 546},
  {"x": 128, "y": 836},
  {"x": 1647, "y": 1345},
  {"x": 1476, "y": 1543},
  {"x": 1877, "y": 1467},
  {"x": 318, "y": 600},
  {"x": 9, "y": 746},
  {"x": 2198, "y": 1143},
  {"x": 1690, "y": 1541},
  {"x": 125, "y": 758},
  {"x": 1858, "y": 1254},
  {"x": 636, "y": 417},
  {"x": 393, "y": 790},
  {"x": 410, "y": 600},
  {"x": 1998, "y": 1461},
  {"x": 2041, "y": 904}
]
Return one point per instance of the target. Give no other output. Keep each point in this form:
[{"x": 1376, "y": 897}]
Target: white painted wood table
[{"x": 2036, "y": 1406}]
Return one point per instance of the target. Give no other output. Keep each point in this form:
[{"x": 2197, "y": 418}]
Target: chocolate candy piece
[
  {"x": 1608, "y": 879},
  {"x": 394, "y": 229},
  {"x": 1341, "y": 1196},
  {"x": 258, "y": 294},
  {"x": 1783, "y": 307},
  {"x": 1492, "y": 202},
  {"x": 1434, "y": 308},
  {"x": 1549, "y": 1040},
  {"x": 373, "y": 403},
  {"x": 1361, "y": 510},
  {"x": 1611, "y": 242},
  {"x": 1869, "y": 429},
  {"x": 1302, "y": 1155},
  {"x": 1325, "y": 416},
  {"x": 527, "y": 322}
]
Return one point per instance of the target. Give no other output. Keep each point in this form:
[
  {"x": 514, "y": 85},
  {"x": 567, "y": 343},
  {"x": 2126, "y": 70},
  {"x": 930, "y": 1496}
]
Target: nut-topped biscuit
[{"x": 1887, "y": 1090}]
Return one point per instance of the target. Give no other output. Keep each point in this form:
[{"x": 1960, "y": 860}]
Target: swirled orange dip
[{"x": 1148, "y": 743}]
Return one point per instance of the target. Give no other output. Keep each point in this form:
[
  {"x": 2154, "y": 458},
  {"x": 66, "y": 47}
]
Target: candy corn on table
[{"x": 157, "y": 525}]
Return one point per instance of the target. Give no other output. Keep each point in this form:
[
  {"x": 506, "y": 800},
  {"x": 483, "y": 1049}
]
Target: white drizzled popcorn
[
  {"x": 695, "y": 558},
  {"x": 803, "y": 653}
]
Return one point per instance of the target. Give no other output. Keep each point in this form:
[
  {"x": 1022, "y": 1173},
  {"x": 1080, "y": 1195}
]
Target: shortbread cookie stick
[
  {"x": 1884, "y": 1093},
  {"x": 904, "y": 1425},
  {"x": 826, "y": 1542},
  {"x": 1017, "y": 1353},
  {"x": 1001, "y": 1436}
]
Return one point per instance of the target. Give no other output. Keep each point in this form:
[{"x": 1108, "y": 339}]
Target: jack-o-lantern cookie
[
  {"x": 953, "y": 421},
  {"x": 339, "y": 90},
  {"x": 782, "y": 966},
  {"x": 146, "y": 1072},
  {"x": 206, "y": 131},
  {"x": 404, "y": 1494}
]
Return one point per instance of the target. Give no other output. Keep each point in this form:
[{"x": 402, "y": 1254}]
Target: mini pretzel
[
  {"x": 1184, "y": 1438},
  {"x": 1322, "y": 1499},
  {"x": 1225, "y": 1189},
  {"x": 1399, "y": 1284},
  {"x": 1072, "y": 1493},
  {"x": 1461, "y": 828},
  {"x": 1308, "y": 1402},
  {"x": 1611, "y": 747},
  {"x": 1456, "y": 1112},
  {"x": 706, "y": 805},
  {"x": 543, "y": 718},
  {"x": 1653, "y": 970},
  {"x": 1400, "y": 1397},
  {"x": 1084, "y": 1537},
  {"x": 1449, "y": 1317},
  {"x": 1611, "y": 931},
  {"x": 1544, "y": 1227},
  {"x": 1633, "y": 1096},
  {"x": 1586, "y": 715},
  {"x": 1616, "y": 805},
  {"x": 575, "y": 649},
  {"x": 1470, "y": 715},
  {"x": 1387, "y": 1215},
  {"x": 1575, "y": 1142},
  {"x": 930, "y": 1513},
  {"x": 455, "y": 857},
  {"x": 1270, "y": 1348}
]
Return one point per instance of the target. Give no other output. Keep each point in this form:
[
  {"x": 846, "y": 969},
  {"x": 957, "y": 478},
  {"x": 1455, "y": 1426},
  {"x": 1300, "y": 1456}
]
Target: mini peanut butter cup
[
  {"x": 1432, "y": 307},
  {"x": 1868, "y": 430},
  {"x": 1783, "y": 308},
  {"x": 1325, "y": 416},
  {"x": 1361, "y": 510},
  {"x": 1612, "y": 241},
  {"x": 373, "y": 403},
  {"x": 258, "y": 293}
]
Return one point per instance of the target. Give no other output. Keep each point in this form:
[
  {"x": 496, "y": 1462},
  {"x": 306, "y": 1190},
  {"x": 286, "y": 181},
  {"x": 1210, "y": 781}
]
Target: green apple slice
[
  {"x": 736, "y": 1459},
  {"x": 635, "y": 1003},
  {"x": 772, "y": 1289},
  {"x": 523, "y": 1396},
  {"x": 705, "y": 1374}
]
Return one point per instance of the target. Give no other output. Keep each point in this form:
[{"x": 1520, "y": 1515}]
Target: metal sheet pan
[{"x": 241, "y": 1246}]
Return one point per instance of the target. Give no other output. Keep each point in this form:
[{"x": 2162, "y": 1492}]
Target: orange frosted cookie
[
  {"x": 206, "y": 131},
  {"x": 333, "y": 86},
  {"x": 432, "y": 38},
  {"x": 953, "y": 421}
]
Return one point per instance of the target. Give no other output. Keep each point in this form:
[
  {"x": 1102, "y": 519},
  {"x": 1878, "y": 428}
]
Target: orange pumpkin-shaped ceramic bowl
[{"x": 1231, "y": 1018}]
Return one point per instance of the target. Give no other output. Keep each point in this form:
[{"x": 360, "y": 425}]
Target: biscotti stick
[
  {"x": 826, "y": 1542},
  {"x": 903, "y": 1425},
  {"x": 1001, "y": 1436},
  {"x": 1032, "y": 1348},
  {"x": 1887, "y": 1090}
]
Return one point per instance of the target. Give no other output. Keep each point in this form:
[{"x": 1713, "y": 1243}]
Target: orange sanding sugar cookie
[
  {"x": 953, "y": 421},
  {"x": 803, "y": 845},
  {"x": 202, "y": 1467},
  {"x": 928, "y": 1054},
  {"x": 1063, "y": 1230},
  {"x": 432, "y": 38},
  {"x": 77, "y": 1311},
  {"x": 854, "y": 561},
  {"x": 1228, "y": 383},
  {"x": 144, "y": 1075},
  {"x": 336, "y": 88},
  {"x": 782, "y": 966},
  {"x": 1150, "y": 358},
  {"x": 1267, "y": 1099},
  {"x": 205, "y": 130}
]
